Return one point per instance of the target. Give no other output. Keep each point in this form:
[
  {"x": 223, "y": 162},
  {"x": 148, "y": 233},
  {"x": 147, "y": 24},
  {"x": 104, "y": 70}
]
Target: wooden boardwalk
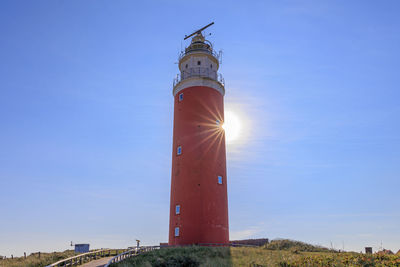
[{"x": 97, "y": 263}]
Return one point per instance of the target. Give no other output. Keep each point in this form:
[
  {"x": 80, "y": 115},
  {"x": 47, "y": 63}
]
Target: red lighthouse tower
[{"x": 199, "y": 202}]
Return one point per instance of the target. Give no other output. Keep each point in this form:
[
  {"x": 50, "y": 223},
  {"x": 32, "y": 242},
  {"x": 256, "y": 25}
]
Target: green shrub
[{"x": 192, "y": 256}]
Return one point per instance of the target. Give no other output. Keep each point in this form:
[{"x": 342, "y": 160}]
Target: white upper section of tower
[{"x": 199, "y": 62}]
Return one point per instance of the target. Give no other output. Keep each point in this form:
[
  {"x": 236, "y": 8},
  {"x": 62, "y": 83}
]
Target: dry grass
[
  {"x": 45, "y": 259},
  {"x": 255, "y": 257},
  {"x": 33, "y": 260},
  {"x": 226, "y": 257}
]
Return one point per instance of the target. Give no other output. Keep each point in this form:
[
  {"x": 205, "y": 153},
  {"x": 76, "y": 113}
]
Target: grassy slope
[
  {"x": 205, "y": 256},
  {"x": 34, "y": 261},
  {"x": 45, "y": 259},
  {"x": 293, "y": 245}
]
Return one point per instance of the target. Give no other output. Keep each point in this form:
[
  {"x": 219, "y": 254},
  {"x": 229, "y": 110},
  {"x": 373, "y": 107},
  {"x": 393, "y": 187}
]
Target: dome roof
[{"x": 199, "y": 43}]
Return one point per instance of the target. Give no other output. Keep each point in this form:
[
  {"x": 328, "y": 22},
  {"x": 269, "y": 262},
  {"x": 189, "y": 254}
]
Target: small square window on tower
[
  {"x": 176, "y": 231},
  {"x": 218, "y": 122},
  {"x": 179, "y": 150},
  {"x": 180, "y": 96},
  {"x": 198, "y": 62},
  {"x": 178, "y": 209},
  {"x": 219, "y": 179}
]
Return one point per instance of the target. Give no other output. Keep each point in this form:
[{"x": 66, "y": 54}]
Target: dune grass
[
  {"x": 33, "y": 260},
  {"x": 293, "y": 245},
  {"x": 45, "y": 259},
  {"x": 254, "y": 257},
  {"x": 182, "y": 257},
  {"x": 282, "y": 253}
]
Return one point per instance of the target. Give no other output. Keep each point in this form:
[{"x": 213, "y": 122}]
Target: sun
[{"x": 232, "y": 126}]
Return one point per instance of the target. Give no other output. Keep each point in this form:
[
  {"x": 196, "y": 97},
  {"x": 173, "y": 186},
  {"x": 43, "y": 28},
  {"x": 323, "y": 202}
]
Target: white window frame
[
  {"x": 176, "y": 231},
  {"x": 177, "y": 209},
  {"x": 219, "y": 179},
  {"x": 218, "y": 122},
  {"x": 180, "y": 97},
  {"x": 179, "y": 150}
]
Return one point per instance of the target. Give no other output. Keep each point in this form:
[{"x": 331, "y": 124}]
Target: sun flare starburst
[{"x": 232, "y": 126}]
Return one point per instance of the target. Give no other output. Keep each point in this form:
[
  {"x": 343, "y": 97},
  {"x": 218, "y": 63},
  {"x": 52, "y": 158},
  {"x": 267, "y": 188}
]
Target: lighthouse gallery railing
[{"x": 199, "y": 72}]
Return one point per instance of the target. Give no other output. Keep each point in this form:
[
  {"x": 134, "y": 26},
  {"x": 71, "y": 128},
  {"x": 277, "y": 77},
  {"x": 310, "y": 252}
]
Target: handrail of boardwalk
[
  {"x": 82, "y": 258},
  {"x": 130, "y": 253}
]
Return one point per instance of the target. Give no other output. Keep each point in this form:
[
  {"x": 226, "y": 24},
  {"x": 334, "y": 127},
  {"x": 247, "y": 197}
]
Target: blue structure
[{"x": 81, "y": 248}]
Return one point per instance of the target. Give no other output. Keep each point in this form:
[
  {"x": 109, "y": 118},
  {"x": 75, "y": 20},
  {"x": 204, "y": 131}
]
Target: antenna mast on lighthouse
[{"x": 198, "y": 31}]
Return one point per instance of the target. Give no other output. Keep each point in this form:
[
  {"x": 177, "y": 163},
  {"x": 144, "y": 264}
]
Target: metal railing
[
  {"x": 130, "y": 253},
  {"x": 218, "y": 55},
  {"x": 199, "y": 72},
  {"x": 85, "y": 257}
]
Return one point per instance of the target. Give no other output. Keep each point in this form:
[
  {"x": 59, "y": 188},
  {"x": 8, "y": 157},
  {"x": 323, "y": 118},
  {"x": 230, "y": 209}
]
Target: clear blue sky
[{"x": 86, "y": 120}]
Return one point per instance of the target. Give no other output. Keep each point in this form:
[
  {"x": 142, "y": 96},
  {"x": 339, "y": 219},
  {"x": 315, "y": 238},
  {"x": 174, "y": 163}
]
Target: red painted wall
[{"x": 203, "y": 202}]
